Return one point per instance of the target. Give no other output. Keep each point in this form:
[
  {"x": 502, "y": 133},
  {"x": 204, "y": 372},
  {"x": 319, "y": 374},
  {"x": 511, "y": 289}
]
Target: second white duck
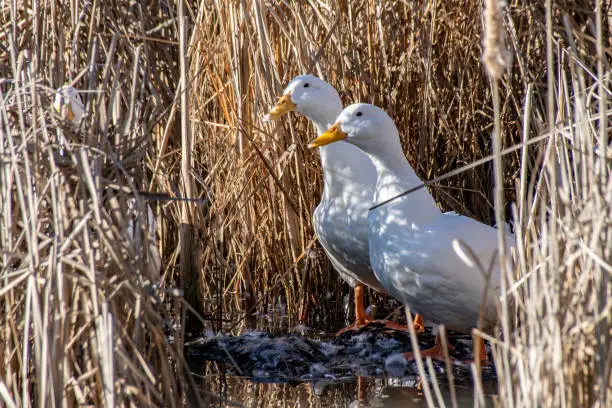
[{"x": 412, "y": 243}]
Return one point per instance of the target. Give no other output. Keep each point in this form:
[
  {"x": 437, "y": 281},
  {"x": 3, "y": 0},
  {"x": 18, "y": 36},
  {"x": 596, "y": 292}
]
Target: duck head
[
  {"x": 308, "y": 95},
  {"x": 363, "y": 125}
]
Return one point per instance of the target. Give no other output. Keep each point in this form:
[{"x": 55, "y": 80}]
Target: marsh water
[
  {"x": 230, "y": 390},
  {"x": 306, "y": 367}
]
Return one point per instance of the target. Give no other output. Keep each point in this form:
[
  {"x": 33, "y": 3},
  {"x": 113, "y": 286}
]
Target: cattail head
[{"x": 496, "y": 56}]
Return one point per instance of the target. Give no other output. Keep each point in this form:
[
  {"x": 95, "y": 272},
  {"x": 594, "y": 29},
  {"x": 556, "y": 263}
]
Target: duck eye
[
  {"x": 306, "y": 85},
  {"x": 358, "y": 114}
]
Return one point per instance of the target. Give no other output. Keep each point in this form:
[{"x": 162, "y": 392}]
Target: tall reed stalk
[{"x": 86, "y": 308}]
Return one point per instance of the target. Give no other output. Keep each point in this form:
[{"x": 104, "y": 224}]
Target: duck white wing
[{"x": 417, "y": 263}]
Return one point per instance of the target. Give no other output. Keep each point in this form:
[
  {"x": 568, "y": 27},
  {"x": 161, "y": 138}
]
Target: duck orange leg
[
  {"x": 436, "y": 352},
  {"x": 480, "y": 351},
  {"x": 362, "y": 389},
  {"x": 361, "y": 317},
  {"x": 419, "y": 323}
]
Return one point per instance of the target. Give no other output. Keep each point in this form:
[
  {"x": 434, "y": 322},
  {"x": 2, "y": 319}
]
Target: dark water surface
[
  {"x": 352, "y": 392},
  {"x": 356, "y": 369}
]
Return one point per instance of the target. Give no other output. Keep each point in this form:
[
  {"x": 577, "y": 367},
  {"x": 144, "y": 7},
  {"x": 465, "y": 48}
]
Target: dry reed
[
  {"x": 264, "y": 185},
  {"x": 82, "y": 321},
  {"x": 558, "y": 352}
]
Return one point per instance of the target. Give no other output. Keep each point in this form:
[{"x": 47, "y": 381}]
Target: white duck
[
  {"x": 349, "y": 179},
  {"x": 412, "y": 243}
]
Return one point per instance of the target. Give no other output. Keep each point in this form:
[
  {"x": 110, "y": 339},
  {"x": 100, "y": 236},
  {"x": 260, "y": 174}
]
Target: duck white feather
[{"x": 412, "y": 243}]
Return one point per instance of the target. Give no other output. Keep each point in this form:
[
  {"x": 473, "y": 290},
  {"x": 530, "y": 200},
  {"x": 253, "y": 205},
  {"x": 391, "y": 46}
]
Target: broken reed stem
[
  {"x": 186, "y": 145},
  {"x": 189, "y": 260}
]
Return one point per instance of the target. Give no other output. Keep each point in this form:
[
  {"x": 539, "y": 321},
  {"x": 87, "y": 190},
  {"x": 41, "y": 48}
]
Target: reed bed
[
  {"x": 84, "y": 319},
  {"x": 421, "y": 61},
  {"x": 555, "y": 345},
  {"x": 92, "y": 307}
]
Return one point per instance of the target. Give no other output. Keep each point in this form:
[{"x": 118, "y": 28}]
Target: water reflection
[{"x": 352, "y": 392}]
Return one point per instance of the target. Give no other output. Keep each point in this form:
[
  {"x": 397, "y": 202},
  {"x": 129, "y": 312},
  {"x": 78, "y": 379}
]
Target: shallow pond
[
  {"x": 353, "y": 392},
  {"x": 356, "y": 369}
]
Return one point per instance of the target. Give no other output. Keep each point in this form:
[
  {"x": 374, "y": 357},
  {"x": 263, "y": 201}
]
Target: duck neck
[
  {"x": 323, "y": 116},
  {"x": 335, "y": 160},
  {"x": 395, "y": 176},
  {"x": 322, "y": 126}
]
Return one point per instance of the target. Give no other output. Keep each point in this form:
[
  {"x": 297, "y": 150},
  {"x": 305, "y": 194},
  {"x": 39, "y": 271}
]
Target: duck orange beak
[
  {"x": 283, "y": 105},
  {"x": 331, "y": 135}
]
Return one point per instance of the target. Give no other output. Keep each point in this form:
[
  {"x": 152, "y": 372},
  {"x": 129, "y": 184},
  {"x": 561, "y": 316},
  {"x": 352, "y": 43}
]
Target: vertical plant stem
[
  {"x": 189, "y": 266},
  {"x": 419, "y": 360},
  {"x": 551, "y": 170},
  {"x": 603, "y": 338}
]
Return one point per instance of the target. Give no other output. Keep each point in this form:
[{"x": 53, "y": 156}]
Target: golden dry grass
[{"x": 82, "y": 322}]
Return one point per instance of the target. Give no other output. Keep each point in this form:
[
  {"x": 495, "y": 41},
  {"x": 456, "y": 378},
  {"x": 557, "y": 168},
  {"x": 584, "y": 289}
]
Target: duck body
[
  {"x": 412, "y": 251},
  {"x": 415, "y": 261}
]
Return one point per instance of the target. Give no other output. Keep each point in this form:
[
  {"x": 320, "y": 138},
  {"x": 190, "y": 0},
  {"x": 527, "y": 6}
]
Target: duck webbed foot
[
  {"x": 418, "y": 323},
  {"x": 362, "y": 319},
  {"x": 435, "y": 353}
]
